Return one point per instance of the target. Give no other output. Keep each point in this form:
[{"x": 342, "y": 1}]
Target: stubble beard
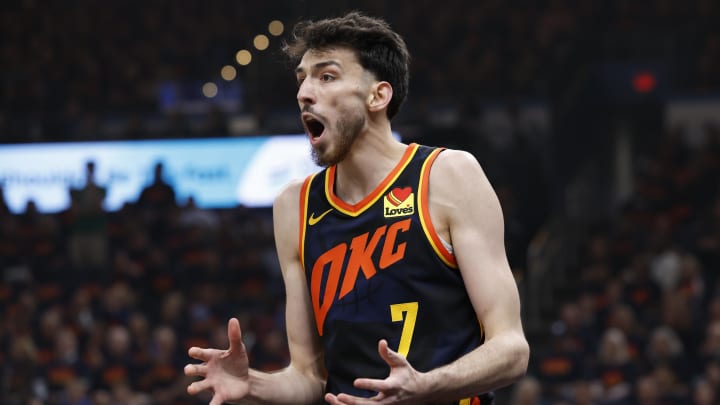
[{"x": 348, "y": 130}]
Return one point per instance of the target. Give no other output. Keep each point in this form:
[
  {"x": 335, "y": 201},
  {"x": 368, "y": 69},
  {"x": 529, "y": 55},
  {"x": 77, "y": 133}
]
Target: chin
[
  {"x": 320, "y": 156},
  {"x": 326, "y": 157}
]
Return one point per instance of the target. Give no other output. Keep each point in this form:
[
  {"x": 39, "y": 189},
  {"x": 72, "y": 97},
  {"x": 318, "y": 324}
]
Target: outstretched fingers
[
  {"x": 379, "y": 386},
  {"x": 196, "y": 370},
  {"x": 235, "y": 335},
  {"x": 399, "y": 371},
  {"x": 344, "y": 399},
  {"x": 391, "y": 357},
  {"x": 201, "y": 354},
  {"x": 224, "y": 373},
  {"x": 198, "y": 386}
]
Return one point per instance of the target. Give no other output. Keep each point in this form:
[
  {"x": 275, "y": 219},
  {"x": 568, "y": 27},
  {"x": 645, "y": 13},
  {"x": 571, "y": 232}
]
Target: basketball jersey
[{"x": 378, "y": 270}]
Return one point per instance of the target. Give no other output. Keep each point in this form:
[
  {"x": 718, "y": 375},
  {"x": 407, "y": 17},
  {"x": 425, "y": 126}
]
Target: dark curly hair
[{"x": 379, "y": 49}]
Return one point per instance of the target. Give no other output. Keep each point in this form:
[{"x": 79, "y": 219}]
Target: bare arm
[
  {"x": 303, "y": 381},
  {"x": 226, "y": 372},
  {"x": 466, "y": 209}
]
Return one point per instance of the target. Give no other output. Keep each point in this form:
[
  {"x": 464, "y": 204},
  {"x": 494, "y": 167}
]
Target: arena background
[{"x": 597, "y": 121}]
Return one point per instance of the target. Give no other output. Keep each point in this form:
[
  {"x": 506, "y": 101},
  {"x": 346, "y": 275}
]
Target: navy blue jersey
[{"x": 378, "y": 270}]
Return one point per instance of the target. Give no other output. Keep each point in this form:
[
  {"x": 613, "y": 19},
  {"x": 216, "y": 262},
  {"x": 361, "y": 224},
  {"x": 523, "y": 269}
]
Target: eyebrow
[{"x": 319, "y": 65}]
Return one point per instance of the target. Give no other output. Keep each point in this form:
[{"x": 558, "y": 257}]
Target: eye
[
  {"x": 300, "y": 81},
  {"x": 327, "y": 77}
]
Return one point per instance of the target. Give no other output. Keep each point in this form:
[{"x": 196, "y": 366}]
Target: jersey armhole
[
  {"x": 424, "y": 212},
  {"x": 304, "y": 197}
]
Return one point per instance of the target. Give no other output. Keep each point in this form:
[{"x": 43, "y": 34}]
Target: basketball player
[{"x": 398, "y": 286}]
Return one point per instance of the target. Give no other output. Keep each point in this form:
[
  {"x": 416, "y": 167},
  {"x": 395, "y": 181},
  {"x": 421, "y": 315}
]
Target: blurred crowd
[
  {"x": 82, "y": 69},
  {"x": 640, "y": 323},
  {"x": 100, "y": 307}
]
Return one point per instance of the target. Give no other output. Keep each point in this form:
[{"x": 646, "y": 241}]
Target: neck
[{"x": 372, "y": 157}]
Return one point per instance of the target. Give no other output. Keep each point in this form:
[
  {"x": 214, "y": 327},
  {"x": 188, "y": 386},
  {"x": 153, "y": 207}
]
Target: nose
[{"x": 306, "y": 94}]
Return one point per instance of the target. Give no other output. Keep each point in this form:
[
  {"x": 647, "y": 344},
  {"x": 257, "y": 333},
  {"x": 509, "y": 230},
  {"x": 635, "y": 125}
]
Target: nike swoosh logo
[{"x": 314, "y": 220}]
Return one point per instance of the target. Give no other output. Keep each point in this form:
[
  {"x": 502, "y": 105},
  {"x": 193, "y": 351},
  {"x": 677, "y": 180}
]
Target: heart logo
[{"x": 398, "y": 195}]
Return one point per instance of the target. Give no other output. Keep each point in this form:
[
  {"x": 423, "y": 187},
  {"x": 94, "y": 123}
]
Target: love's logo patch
[{"x": 399, "y": 202}]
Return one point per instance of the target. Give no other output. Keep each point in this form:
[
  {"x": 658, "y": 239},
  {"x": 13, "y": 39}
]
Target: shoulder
[
  {"x": 286, "y": 219},
  {"x": 459, "y": 187},
  {"x": 454, "y": 162},
  {"x": 288, "y": 197},
  {"x": 457, "y": 172}
]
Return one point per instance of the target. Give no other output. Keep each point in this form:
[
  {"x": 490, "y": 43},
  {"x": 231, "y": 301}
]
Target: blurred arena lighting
[
  {"x": 210, "y": 89},
  {"x": 261, "y": 42},
  {"x": 228, "y": 73},
  {"x": 644, "y": 82},
  {"x": 243, "y": 57},
  {"x": 276, "y": 28}
]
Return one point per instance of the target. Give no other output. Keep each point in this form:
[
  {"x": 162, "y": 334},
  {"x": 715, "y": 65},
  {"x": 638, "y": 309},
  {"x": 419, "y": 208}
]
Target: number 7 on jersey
[{"x": 406, "y": 313}]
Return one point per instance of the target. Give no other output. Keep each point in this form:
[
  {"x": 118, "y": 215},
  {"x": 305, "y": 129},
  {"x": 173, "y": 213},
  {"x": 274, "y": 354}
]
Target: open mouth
[{"x": 314, "y": 127}]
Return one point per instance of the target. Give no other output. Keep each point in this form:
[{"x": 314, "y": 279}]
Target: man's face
[{"x": 332, "y": 93}]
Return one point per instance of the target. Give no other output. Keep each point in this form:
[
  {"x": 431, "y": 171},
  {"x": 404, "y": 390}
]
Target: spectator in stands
[
  {"x": 527, "y": 392},
  {"x": 622, "y": 317},
  {"x": 162, "y": 378},
  {"x": 192, "y": 216},
  {"x": 65, "y": 366},
  {"x": 157, "y": 203},
  {"x": 665, "y": 347},
  {"x": 558, "y": 364},
  {"x": 647, "y": 391},
  {"x": 671, "y": 387},
  {"x": 642, "y": 292},
  {"x": 87, "y": 242},
  {"x": 679, "y": 315},
  {"x": 19, "y": 371},
  {"x": 711, "y": 371},
  {"x": 615, "y": 371},
  {"x": 76, "y": 393},
  {"x": 159, "y": 195},
  {"x": 118, "y": 365},
  {"x": 710, "y": 348},
  {"x": 704, "y": 393}
]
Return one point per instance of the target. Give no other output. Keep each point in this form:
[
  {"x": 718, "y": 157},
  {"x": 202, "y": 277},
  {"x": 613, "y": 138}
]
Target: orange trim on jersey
[
  {"x": 424, "y": 210},
  {"x": 356, "y": 209},
  {"x": 304, "y": 198},
  {"x": 470, "y": 401}
]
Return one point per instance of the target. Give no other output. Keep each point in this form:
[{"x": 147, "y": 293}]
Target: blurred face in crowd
[
  {"x": 165, "y": 340},
  {"x": 51, "y": 321},
  {"x": 527, "y": 392},
  {"x": 613, "y": 347},
  {"x": 118, "y": 340},
  {"x": 332, "y": 92},
  {"x": 704, "y": 393},
  {"x": 66, "y": 344},
  {"x": 647, "y": 390},
  {"x": 711, "y": 344},
  {"x": 664, "y": 344}
]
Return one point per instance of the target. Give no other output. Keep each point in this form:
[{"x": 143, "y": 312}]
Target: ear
[{"x": 380, "y": 96}]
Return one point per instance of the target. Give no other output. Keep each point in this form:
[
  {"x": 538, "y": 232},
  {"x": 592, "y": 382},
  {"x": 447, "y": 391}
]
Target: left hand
[{"x": 402, "y": 386}]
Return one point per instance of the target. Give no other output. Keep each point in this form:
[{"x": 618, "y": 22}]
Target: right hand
[{"x": 224, "y": 372}]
